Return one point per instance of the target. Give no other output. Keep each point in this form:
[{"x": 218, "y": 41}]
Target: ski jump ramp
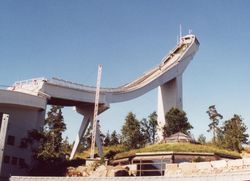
[{"x": 167, "y": 76}]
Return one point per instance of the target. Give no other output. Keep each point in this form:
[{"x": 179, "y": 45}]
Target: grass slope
[
  {"x": 120, "y": 151},
  {"x": 178, "y": 147}
]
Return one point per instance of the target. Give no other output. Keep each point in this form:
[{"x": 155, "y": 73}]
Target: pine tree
[
  {"x": 235, "y": 135},
  {"x": 51, "y": 145},
  {"x": 107, "y": 139},
  {"x": 131, "y": 135},
  {"x": 114, "y": 140},
  {"x": 201, "y": 139},
  {"x": 49, "y": 139},
  {"x": 54, "y": 127},
  {"x": 215, "y": 117},
  {"x": 176, "y": 121}
]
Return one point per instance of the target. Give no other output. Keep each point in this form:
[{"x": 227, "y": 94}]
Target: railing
[
  {"x": 150, "y": 167},
  {"x": 168, "y": 62},
  {"x": 29, "y": 81}
]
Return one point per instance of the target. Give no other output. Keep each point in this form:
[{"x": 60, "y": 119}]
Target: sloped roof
[{"x": 179, "y": 137}]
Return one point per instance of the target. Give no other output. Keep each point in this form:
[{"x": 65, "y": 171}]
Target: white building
[{"x": 25, "y": 112}]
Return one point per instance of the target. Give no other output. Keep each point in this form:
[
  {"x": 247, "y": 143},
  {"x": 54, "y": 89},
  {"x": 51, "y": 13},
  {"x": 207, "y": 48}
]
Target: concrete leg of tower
[
  {"x": 88, "y": 116},
  {"x": 98, "y": 140},
  {"x": 87, "y": 119},
  {"x": 169, "y": 95}
]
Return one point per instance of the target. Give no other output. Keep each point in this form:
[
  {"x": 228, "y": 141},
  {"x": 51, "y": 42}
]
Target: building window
[
  {"x": 6, "y": 159},
  {"x": 23, "y": 143},
  {"x": 14, "y": 161},
  {"x": 10, "y": 140},
  {"x": 22, "y": 163}
]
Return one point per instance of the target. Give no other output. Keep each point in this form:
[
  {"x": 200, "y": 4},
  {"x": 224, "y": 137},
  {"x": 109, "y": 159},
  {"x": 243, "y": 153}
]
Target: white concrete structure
[
  {"x": 25, "y": 112},
  {"x": 167, "y": 76}
]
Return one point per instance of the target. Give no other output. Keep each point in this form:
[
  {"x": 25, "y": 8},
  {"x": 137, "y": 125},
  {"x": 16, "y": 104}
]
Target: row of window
[
  {"x": 14, "y": 161},
  {"x": 11, "y": 141}
]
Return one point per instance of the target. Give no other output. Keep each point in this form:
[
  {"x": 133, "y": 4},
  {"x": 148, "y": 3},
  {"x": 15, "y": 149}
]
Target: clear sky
[{"x": 68, "y": 39}]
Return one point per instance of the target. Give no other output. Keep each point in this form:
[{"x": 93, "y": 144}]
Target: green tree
[
  {"x": 114, "y": 140},
  {"x": 66, "y": 147},
  {"x": 132, "y": 137},
  {"x": 202, "y": 139},
  {"x": 176, "y": 121},
  {"x": 107, "y": 139},
  {"x": 149, "y": 128},
  {"x": 47, "y": 144},
  {"x": 49, "y": 139},
  {"x": 53, "y": 129},
  {"x": 85, "y": 141},
  {"x": 235, "y": 133},
  {"x": 215, "y": 117}
]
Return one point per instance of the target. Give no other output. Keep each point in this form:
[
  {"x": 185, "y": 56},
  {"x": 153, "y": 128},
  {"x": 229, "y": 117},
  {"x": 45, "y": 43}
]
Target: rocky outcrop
[
  {"x": 100, "y": 171},
  {"x": 110, "y": 171}
]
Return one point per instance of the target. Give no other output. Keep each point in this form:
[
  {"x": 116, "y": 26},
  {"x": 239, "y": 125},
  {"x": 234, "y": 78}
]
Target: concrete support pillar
[
  {"x": 3, "y": 131},
  {"x": 87, "y": 119},
  {"x": 84, "y": 125},
  {"x": 99, "y": 141},
  {"x": 169, "y": 95}
]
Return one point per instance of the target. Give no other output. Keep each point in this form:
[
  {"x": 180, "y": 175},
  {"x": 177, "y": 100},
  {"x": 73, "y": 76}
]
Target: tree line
[
  {"x": 230, "y": 134},
  {"x": 49, "y": 147}
]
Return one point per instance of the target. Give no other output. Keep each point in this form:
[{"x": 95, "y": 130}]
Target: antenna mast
[
  {"x": 180, "y": 33},
  {"x": 94, "y": 131}
]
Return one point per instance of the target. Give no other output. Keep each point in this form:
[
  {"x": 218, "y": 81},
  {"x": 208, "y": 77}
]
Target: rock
[
  {"x": 83, "y": 171},
  {"x": 204, "y": 167},
  {"x": 110, "y": 171},
  {"x": 219, "y": 164},
  {"x": 235, "y": 164},
  {"x": 172, "y": 169},
  {"x": 246, "y": 162},
  {"x": 121, "y": 171},
  {"x": 132, "y": 169},
  {"x": 100, "y": 171},
  {"x": 188, "y": 168}
]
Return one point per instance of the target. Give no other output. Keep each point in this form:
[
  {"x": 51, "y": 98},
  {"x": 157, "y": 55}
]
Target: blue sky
[{"x": 68, "y": 39}]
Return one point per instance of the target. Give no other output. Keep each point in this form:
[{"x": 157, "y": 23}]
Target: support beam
[
  {"x": 3, "y": 131},
  {"x": 98, "y": 140},
  {"x": 169, "y": 95},
  {"x": 88, "y": 116},
  {"x": 87, "y": 112}
]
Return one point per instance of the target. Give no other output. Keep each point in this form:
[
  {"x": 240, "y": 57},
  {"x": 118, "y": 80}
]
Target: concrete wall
[
  {"x": 22, "y": 118},
  {"x": 218, "y": 177},
  {"x": 208, "y": 168}
]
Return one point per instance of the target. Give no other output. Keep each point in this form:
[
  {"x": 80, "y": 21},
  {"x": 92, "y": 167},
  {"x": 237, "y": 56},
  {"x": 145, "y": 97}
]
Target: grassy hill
[
  {"x": 178, "y": 147},
  {"x": 119, "y": 151}
]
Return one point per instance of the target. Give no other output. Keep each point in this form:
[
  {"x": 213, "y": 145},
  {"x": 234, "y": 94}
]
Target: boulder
[
  {"x": 172, "y": 169},
  {"x": 246, "y": 162},
  {"x": 110, "y": 171},
  {"x": 188, "y": 168},
  {"x": 100, "y": 171},
  {"x": 235, "y": 164},
  {"x": 219, "y": 166},
  {"x": 204, "y": 167}
]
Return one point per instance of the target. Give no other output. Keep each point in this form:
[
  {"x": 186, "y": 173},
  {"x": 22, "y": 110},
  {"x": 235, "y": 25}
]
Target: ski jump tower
[{"x": 166, "y": 76}]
